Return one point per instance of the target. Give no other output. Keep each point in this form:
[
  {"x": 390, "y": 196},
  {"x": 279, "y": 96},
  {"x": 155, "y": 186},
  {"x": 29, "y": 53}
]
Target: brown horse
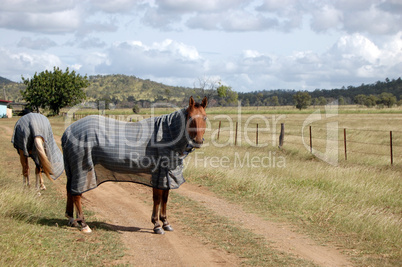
[
  {"x": 95, "y": 145},
  {"x": 33, "y": 137}
]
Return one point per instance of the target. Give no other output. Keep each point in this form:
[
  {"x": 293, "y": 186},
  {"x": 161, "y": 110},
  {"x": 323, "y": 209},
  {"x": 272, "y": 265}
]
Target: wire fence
[
  {"x": 364, "y": 145},
  {"x": 355, "y": 145}
]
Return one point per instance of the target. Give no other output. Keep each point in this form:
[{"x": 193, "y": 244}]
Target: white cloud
[
  {"x": 251, "y": 54},
  {"x": 353, "y": 58},
  {"x": 37, "y": 6},
  {"x": 326, "y": 18},
  {"x": 184, "y": 6},
  {"x": 92, "y": 42},
  {"x": 357, "y": 46},
  {"x": 250, "y": 45},
  {"x": 113, "y": 6},
  {"x": 246, "y": 21},
  {"x": 372, "y": 20},
  {"x": 36, "y": 44},
  {"x": 164, "y": 59},
  {"x": 178, "y": 50},
  {"x": 54, "y": 22},
  {"x": 14, "y": 65}
]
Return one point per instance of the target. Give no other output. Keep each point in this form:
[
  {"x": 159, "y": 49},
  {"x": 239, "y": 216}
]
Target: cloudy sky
[{"x": 246, "y": 44}]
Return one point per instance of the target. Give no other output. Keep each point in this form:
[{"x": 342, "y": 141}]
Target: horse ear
[
  {"x": 192, "y": 102},
  {"x": 204, "y": 102}
]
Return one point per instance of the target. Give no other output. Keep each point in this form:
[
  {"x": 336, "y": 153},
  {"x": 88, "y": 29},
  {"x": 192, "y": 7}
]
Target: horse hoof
[
  {"x": 159, "y": 231},
  {"x": 72, "y": 222},
  {"x": 168, "y": 228},
  {"x": 86, "y": 230}
]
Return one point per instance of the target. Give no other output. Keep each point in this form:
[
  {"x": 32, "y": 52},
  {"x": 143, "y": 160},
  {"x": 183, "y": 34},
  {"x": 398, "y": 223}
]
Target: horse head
[{"x": 196, "y": 121}]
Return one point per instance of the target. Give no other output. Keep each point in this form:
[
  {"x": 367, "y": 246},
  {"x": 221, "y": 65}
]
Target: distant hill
[
  {"x": 4, "y": 81},
  {"x": 122, "y": 88},
  {"x": 10, "y": 90},
  {"x": 119, "y": 89},
  {"x": 285, "y": 97},
  {"x": 125, "y": 91}
]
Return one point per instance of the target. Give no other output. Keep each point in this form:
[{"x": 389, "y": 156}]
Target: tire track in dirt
[{"x": 280, "y": 236}]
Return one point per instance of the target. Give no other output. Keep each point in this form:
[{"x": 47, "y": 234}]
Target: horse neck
[{"x": 180, "y": 117}]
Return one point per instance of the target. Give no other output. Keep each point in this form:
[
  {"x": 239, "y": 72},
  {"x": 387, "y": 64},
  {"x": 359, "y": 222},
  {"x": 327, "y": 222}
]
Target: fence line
[
  {"x": 347, "y": 150},
  {"x": 345, "y": 140}
]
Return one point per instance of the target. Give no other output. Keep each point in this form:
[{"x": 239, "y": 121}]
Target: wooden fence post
[
  {"x": 390, "y": 146},
  {"x": 219, "y": 129},
  {"x": 311, "y": 141},
  {"x": 236, "y": 135},
  {"x": 256, "y": 135},
  {"x": 282, "y": 135},
  {"x": 344, "y": 143}
]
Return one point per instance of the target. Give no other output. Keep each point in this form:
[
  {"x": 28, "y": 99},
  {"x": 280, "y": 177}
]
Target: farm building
[{"x": 4, "y": 111}]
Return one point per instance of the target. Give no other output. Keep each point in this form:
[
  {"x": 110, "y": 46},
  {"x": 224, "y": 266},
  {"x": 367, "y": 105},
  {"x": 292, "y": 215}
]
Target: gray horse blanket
[
  {"x": 26, "y": 129},
  {"x": 150, "y": 152}
]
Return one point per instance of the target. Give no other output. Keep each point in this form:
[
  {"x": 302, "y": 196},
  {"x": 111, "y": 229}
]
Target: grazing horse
[
  {"x": 33, "y": 137},
  {"x": 150, "y": 152}
]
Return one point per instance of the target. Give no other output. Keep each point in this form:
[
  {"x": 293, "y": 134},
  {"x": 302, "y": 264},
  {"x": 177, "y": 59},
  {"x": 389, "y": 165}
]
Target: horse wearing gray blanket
[
  {"x": 33, "y": 137},
  {"x": 150, "y": 152}
]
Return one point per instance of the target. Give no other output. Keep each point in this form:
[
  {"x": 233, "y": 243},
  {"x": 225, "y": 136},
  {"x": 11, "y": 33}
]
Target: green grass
[{"x": 34, "y": 232}]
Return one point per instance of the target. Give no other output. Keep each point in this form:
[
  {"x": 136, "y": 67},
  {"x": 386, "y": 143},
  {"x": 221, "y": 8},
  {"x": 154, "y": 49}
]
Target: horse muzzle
[{"x": 197, "y": 144}]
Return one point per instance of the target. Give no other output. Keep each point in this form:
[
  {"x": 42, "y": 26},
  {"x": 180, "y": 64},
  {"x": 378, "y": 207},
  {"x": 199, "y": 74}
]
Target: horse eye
[{"x": 205, "y": 118}]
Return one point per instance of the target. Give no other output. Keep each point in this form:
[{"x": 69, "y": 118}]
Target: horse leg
[
  {"x": 157, "y": 197},
  {"x": 70, "y": 211},
  {"x": 163, "y": 216},
  {"x": 80, "y": 215},
  {"x": 25, "y": 168},
  {"x": 39, "y": 179}
]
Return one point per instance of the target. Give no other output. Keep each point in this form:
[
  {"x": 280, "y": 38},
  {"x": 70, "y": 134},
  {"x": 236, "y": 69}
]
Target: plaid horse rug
[
  {"x": 150, "y": 152},
  {"x": 26, "y": 129}
]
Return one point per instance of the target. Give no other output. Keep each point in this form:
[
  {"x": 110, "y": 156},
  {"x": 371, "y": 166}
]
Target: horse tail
[{"x": 43, "y": 159}]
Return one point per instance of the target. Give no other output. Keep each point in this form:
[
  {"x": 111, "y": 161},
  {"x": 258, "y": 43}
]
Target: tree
[
  {"x": 341, "y": 100},
  {"x": 226, "y": 94},
  {"x": 232, "y": 96},
  {"x": 302, "y": 100},
  {"x": 388, "y": 99},
  {"x": 371, "y": 101},
  {"x": 360, "y": 99},
  {"x": 222, "y": 91},
  {"x": 136, "y": 109},
  {"x": 274, "y": 100},
  {"x": 322, "y": 101},
  {"x": 207, "y": 85},
  {"x": 259, "y": 97},
  {"x": 54, "y": 90}
]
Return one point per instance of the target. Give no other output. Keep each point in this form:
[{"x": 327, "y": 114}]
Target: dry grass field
[{"x": 353, "y": 203}]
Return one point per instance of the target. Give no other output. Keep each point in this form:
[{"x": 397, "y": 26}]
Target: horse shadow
[{"x": 57, "y": 222}]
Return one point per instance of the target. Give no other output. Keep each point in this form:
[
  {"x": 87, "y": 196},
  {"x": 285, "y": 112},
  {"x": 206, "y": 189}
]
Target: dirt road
[{"x": 127, "y": 208}]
